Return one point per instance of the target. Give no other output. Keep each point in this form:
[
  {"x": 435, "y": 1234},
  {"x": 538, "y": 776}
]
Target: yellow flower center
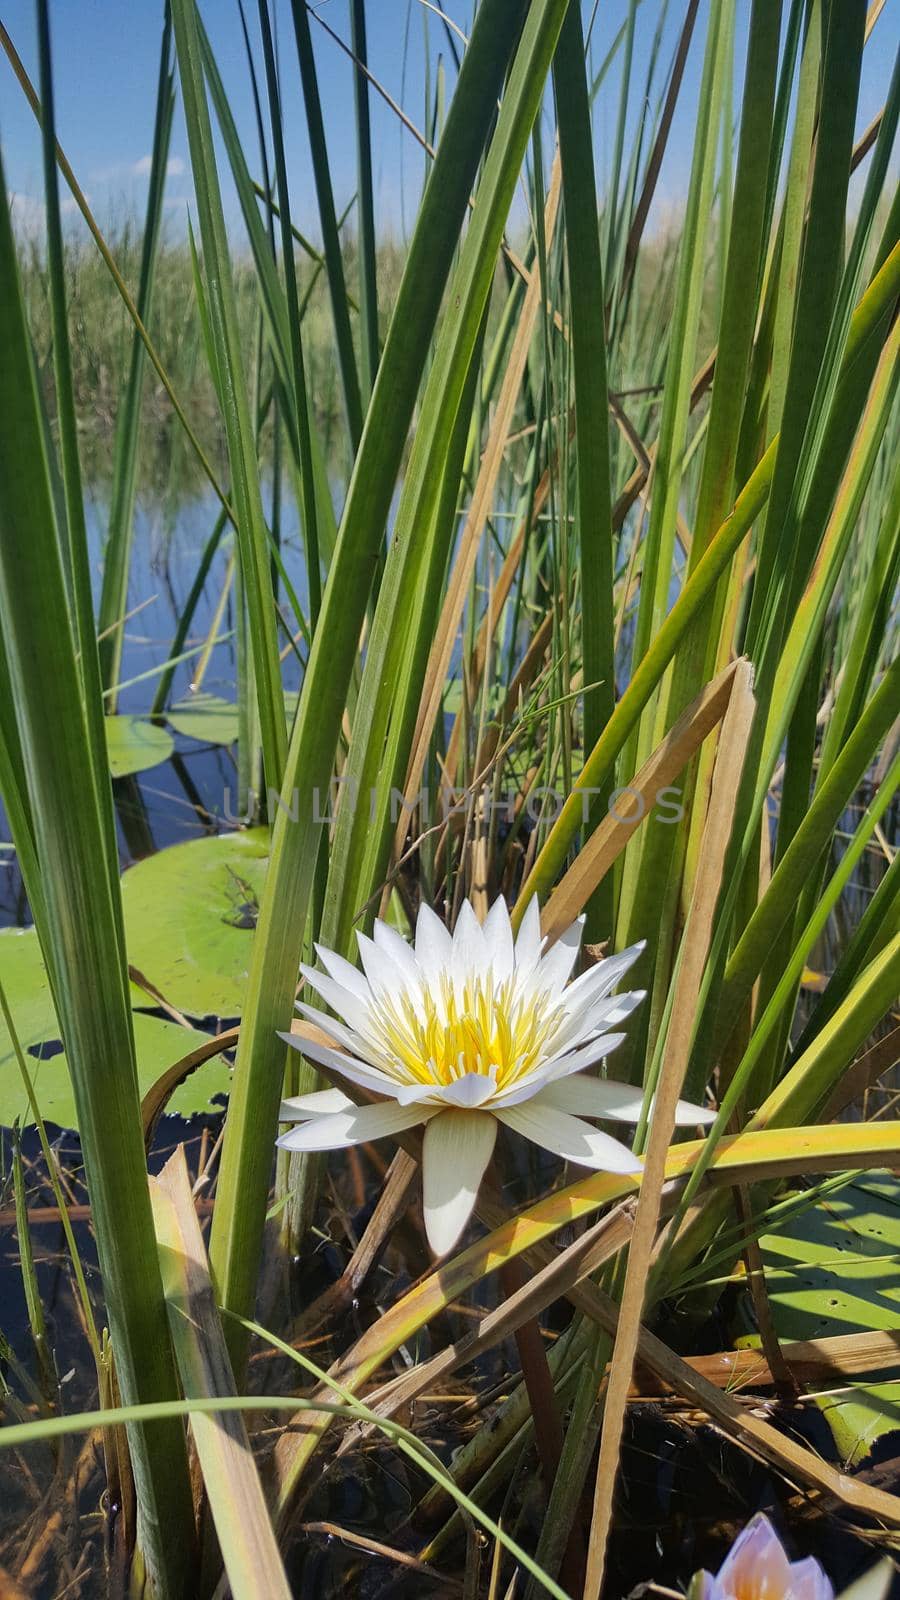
[{"x": 479, "y": 1028}]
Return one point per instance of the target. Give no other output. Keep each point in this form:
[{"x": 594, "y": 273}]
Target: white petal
[
  {"x": 433, "y": 943},
  {"x": 561, "y": 1066},
  {"x": 455, "y": 1152},
  {"x": 318, "y": 1103},
  {"x": 687, "y": 1115},
  {"x": 358, "y": 1126},
  {"x": 357, "y": 1044},
  {"x": 400, "y": 951},
  {"x": 469, "y": 949},
  {"x": 347, "y": 1004},
  {"x": 580, "y": 1023},
  {"x": 382, "y": 970},
  {"x": 602, "y": 978},
  {"x": 556, "y": 966},
  {"x": 344, "y": 973},
  {"x": 620, "y": 1102},
  {"x": 498, "y": 940},
  {"x": 474, "y": 1089},
  {"x": 585, "y": 1055},
  {"x": 470, "y": 1091},
  {"x": 568, "y": 1136},
  {"x": 354, "y": 1071},
  {"x": 528, "y": 938}
]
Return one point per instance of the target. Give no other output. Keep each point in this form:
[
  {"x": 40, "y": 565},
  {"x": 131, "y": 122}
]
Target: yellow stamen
[{"x": 484, "y": 1029}]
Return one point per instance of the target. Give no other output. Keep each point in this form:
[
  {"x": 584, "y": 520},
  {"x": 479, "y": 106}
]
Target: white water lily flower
[{"x": 462, "y": 1032}]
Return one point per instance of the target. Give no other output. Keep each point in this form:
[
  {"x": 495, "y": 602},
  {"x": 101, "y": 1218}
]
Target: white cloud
[
  {"x": 143, "y": 168},
  {"x": 175, "y": 168},
  {"x": 29, "y": 216}
]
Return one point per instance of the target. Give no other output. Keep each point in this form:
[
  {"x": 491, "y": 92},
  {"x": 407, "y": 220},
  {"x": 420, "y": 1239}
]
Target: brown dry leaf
[
  {"x": 235, "y": 1494},
  {"x": 691, "y": 961},
  {"x": 612, "y": 835}
]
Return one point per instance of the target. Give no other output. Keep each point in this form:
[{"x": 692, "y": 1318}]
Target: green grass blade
[
  {"x": 251, "y": 530},
  {"x": 588, "y": 342},
  {"x": 301, "y": 397},
  {"x": 805, "y": 850},
  {"x": 247, "y": 1152},
  {"x": 822, "y": 257},
  {"x": 114, "y": 593},
  {"x": 687, "y": 608},
  {"x": 121, "y": 287},
  {"x": 368, "y": 270},
  {"x": 74, "y": 545},
  {"x": 81, "y": 933},
  {"x": 328, "y": 222}
]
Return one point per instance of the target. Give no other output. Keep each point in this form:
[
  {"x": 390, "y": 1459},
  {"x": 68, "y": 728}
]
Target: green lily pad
[
  {"x": 134, "y": 745},
  {"x": 453, "y": 699},
  {"x": 213, "y": 720},
  {"x": 190, "y": 913},
  {"x": 206, "y": 717},
  {"x": 835, "y": 1269},
  {"x": 158, "y": 1044}
]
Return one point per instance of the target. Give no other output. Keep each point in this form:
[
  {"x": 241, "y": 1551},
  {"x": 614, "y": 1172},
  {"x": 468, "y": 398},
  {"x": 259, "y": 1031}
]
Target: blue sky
[{"x": 106, "y": 55}]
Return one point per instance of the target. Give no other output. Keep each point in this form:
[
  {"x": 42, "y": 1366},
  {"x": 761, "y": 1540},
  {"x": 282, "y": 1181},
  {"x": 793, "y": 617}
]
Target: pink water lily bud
[{"x": 757, "y": 1568}]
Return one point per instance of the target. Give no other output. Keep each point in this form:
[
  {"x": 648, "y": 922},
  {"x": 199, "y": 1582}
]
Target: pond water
[{"x": 190, "y": 793}]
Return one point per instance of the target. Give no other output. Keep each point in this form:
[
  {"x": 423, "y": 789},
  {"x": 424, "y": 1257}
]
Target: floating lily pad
[
  {"x": 206, "y": 717},
  {"x": 190, "y": 913},
  {"x": 158, "y": 1043},
  {"x": 134, "y": 745},
  {"x": 212, "y": 720},
  {"x": 453, "y": 699},
  {"x": 835, "y": 1270}
]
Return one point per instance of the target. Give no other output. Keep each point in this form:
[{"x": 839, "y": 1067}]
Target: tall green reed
[{"x": 62, "y": 807}]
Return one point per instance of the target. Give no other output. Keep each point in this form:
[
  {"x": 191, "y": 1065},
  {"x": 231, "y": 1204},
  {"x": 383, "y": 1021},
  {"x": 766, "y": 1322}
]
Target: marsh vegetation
[{"x": 405, "y": 634}]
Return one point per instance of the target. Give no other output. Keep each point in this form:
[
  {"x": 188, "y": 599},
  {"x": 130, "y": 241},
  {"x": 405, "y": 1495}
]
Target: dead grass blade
[
  {"x": 559, "y": 1273},
  {"x": 391, "y": 1203},
  {"x": 612, "y": 835},
  {"x": 691, "y": 962},
  {"x": 249, "y": 1551},
  {"x": 648, "y": 190},
  {"x": 160, "y": 1093},
  {"x": 820, "y": 1362}
]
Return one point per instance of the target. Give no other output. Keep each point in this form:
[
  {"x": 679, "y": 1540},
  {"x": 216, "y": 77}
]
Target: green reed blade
[
  {"x": 80, "y": 935},
  {"x": 247, "y": 1152},
  {"x": 588, "y": 347},
  {"x": 367, "y": 243},
  {"x": 310, "y": 520},
  {"x": 121, "y": 287},
  {"x": 114, "y": 593},
  {"x": 251, "y": 530},
  {"x": 328, "y": 222},
  {"x": 809, "y": 315},
  {"x": 30, "y": 1287},
  {"x": 805, "y": 850}
]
